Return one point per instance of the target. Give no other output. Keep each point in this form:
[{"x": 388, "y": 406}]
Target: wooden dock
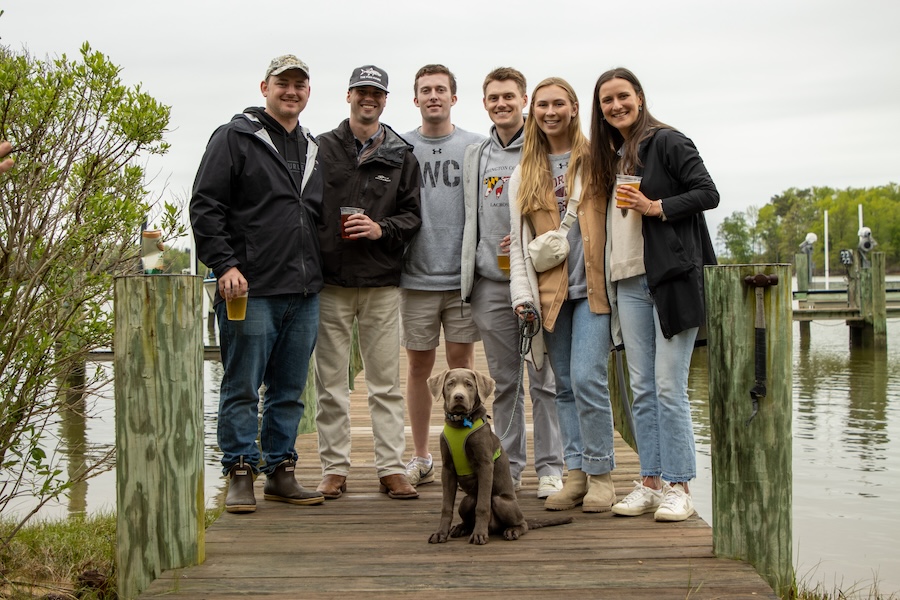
[{"x": 367, "y": 545}]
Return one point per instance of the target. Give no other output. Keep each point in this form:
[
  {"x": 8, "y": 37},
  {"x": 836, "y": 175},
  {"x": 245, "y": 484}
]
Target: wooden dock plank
[{"x": 366, "y": 544}]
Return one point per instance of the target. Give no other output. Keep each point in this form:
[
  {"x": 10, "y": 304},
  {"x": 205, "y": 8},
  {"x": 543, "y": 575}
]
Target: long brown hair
[
  {"x": 606, "y": 139},
  {"x": 536, "y": 190}
]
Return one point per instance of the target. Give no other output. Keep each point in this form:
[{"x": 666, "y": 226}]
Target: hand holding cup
[{"x": 624, "y": 198}]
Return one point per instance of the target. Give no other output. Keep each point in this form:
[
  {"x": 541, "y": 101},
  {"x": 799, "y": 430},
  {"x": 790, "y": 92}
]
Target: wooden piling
[
  {"x": 159, "y": 427},
  {"x": 871, "y": 331},
  {"x": 751, "y": 461},
  {"x": 804, "y": 278}
]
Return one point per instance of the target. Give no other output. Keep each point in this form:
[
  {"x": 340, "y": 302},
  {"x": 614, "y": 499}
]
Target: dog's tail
[{"x": 538, "y": 523}]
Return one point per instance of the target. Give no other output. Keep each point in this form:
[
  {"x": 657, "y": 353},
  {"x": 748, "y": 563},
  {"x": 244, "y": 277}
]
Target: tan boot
[
  {"x": 601, "y": 494},
  {"x": 572, "y": 493}
]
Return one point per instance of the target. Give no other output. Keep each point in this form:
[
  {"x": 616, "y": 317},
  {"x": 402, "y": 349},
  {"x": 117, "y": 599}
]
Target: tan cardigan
[{"x": 552, "y": 286}]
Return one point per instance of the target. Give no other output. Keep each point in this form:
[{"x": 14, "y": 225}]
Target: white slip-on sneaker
[
  {"x": 676, "y": 505},
  {"x": 640, "y": 501},
  {"x": 549, "y": 484}
]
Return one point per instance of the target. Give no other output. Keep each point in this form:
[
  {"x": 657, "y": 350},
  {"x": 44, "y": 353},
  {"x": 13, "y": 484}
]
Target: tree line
[{"x": 773, "y": 233}]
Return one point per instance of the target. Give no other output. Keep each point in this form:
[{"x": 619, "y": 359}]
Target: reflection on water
[
  {"x": 846, "y": 441},
  {"x": 84, "y": 441}
]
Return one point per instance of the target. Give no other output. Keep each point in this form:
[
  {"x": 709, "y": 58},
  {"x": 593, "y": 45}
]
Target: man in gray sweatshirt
[
  {"x": 429, "y": 282},
  {"x": 486, "y": 171}
]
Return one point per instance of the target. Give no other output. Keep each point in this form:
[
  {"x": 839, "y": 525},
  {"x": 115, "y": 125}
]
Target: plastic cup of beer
[
  {"x": 502, "y": 259},
  {"x": 346, "y": 212},
  {"x": 632, "y": 180},
  {"x": 236, "y": 307}
]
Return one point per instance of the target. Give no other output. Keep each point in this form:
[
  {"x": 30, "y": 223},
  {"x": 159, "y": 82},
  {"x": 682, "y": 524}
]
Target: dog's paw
[
  {"x": 514, "y": 533},
  {"x": 438, "y": 538},
  {"x": 478, "y": 539},
  {"x": 459, "y": 531}
]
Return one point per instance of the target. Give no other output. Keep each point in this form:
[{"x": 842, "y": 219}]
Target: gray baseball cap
[
  {"x": 369, "y": 75},
  {"x": 285, "y": 63}
]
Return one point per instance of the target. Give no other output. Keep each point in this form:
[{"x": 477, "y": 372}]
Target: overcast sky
[{"x": 774, "y": 93}]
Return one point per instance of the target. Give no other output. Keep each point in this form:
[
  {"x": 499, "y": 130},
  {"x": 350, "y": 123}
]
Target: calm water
[{"x": 846, "y": 443}]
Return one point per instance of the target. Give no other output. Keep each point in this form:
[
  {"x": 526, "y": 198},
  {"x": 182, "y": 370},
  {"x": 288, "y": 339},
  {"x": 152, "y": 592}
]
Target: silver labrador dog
[{"x": 474, "y": 461}]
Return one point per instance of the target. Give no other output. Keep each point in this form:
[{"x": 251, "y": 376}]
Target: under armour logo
[
  {"x": 435, "y": 150},
  {"x": 562, "y": 166}
]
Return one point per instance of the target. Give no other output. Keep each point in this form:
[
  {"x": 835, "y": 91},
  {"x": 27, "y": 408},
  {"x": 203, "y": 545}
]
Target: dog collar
[{"x": 466, "y": 419}]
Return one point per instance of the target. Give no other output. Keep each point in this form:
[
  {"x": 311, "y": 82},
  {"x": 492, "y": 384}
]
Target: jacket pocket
[{"x": 666, "y": 257}]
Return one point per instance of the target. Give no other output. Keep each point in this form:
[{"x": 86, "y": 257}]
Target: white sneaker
[
  {"x": 549, "y": 484},
  {"x": 420, "y": 470},
  {"x": 640, "y": 501},
  {"x": 676, "y": 505},
  {"x": 517, "y": 484}
]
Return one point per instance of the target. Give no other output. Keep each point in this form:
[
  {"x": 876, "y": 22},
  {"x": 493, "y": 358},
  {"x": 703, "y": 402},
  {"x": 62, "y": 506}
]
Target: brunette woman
[{"x": 656, "y": 249}]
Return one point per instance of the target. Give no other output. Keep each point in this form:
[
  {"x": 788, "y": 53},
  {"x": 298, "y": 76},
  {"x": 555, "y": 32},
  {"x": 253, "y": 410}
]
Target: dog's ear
[
  {"x": 485, "y": 386},
  {"x": 436, "y": 384}
]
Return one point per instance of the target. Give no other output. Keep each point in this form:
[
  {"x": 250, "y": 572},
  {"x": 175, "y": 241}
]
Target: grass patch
[
  {"x": 857, "y": 591},
  {"x": 68, "y": 556},
  {"x": 59, "y": 555}
]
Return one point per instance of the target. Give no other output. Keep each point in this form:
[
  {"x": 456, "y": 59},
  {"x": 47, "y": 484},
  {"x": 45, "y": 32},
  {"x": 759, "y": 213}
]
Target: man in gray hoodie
[{"x": 486, "y": 170}]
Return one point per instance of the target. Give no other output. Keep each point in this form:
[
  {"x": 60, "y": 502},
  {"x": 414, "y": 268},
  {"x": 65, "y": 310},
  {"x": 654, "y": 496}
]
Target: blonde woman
[{"x": 571, "y": 297}]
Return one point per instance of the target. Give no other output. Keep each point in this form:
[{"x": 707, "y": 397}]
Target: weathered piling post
[
  {"x": 620, "y": 397},
  {"x": 871, "y": 332},
  {"x": 159, "y": 427},
  {"x": 804, "y": 277},
  {"x": 751, "y": 454}
]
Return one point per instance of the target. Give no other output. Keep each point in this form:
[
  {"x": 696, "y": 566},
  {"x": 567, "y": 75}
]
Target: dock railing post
[
  {"x": 870, "y": 298},
  {"x": 879, "y": 301},
  {"x": 751, "y": 455},
  {"x": 804, "y": 278},
  {"x": 158, "y": 352}
]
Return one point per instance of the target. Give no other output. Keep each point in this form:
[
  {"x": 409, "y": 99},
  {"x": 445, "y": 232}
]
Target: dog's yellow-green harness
[{"x": 456, "y": 440}]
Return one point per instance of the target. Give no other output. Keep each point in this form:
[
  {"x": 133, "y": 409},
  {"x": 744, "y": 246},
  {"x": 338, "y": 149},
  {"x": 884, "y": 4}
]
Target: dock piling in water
[
  {"x": 159, "y": 427},
  {"x": 751, "y": 461}
]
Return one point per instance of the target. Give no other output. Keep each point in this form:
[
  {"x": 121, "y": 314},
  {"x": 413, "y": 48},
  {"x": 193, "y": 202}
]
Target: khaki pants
[{"x": 376, "y": 310}]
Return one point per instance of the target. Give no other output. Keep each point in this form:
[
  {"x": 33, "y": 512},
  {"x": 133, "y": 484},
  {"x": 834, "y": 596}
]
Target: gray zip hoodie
[{"x": 487, "y": 168}]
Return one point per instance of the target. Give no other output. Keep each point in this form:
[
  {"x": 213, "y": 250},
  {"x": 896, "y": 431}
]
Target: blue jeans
[
  {"x": 658, "y": 369},
  {"x": 272, "y": 346},
  {"x": 578, "y": 349}
]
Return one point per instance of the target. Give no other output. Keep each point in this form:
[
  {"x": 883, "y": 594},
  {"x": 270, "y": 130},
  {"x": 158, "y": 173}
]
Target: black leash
[{"x": 527, "y": 330}]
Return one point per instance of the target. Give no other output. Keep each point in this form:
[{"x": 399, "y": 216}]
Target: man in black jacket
[
  {"x": 369, "y": 167},
  {"x": 256, "y": 203}
]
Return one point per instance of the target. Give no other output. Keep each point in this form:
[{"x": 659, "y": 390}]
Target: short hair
[
  {"x": 435, "y": 69},
  {"x": 506, "y": 74}
]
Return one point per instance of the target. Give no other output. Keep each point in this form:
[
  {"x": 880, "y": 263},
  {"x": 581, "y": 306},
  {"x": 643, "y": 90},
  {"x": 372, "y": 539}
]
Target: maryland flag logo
[{"x": 494, "y": 185}]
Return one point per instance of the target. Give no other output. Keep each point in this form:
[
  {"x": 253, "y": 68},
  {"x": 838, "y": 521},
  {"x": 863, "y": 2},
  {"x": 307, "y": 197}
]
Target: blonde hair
[{"x": 536, "y": 189}]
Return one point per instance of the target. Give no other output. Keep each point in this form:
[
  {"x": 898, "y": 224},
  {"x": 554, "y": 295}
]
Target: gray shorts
[{"x": 423, "y": 312}]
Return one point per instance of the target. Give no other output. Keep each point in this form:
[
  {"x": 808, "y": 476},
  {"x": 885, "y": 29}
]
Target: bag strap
[{"x": 572, "y": 206}]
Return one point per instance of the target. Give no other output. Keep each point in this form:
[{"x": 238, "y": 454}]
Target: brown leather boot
[
  {"x": 572, "y": 493},
  {"x": 282, "y": 486},
  {"x": 240, "y": 497},
  {"x": 333, "y": 486},
  {"x": 601, "y": 494},
  {"x": 397, "y": 487}
]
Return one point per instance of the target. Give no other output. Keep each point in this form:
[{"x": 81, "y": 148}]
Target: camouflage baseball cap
[
  {"x": 284, "y": 63},
  {"x": 369, "y": 75}
]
